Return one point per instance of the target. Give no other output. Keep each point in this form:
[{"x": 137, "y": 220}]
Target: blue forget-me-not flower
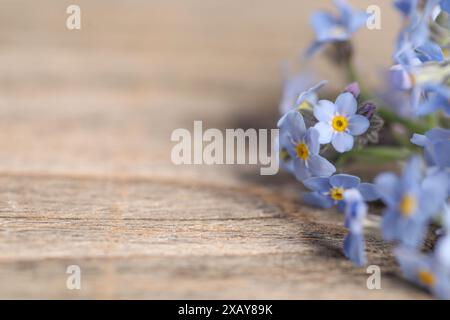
[
  {"x": 303, "y": 147},
  {"x": 426, "y": 271},
  {"x": 411, "y": 202},
  {"x": 416, "y": 34},
  {"x": 329, "y": 28},
  {"x": 329, "y": 191},
  {"x": 294, "y": 97},
  {"x": 338, "y": 122}
]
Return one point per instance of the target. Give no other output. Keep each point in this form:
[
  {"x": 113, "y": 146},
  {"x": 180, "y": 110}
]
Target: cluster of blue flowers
[{"x": 315, "y": 133}]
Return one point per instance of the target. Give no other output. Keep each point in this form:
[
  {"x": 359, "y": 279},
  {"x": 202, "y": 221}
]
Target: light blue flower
[
  {"x": 329, "y": 191},
  {"x": 416, "y": 35},
  {"x": 430, "y": 271},
  {"x": 329, "y": 28},
  {"x": 338, "y": 122},
  {"x": 425, "y": 271},
  {"x": 355, "y": 213},
  {"x": 436, "y": 144},
  {"x": 294, "y": 97},
  {"x": 411, "y": 202},
  {"x": 417, "y": 87},
  {"x": 303, "y": 147}
]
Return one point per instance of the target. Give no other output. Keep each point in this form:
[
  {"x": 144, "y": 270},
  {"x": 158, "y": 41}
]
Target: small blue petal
[
  {"x": 430, "y": 51},
  {"x": 434, "y": 192},
  {"x": 300, "y": 170},
  {"x": 353, "y": 20},
  {"x": 319, "y": 184},
  {"x": 320, "y": 166},
  {"x": 442, "y": 153},
  {"x": 419, "y": 139},
  {"x": 294, "y": 123},
  {"x": 312, "y": 140},
  {"x": 369, "y": 191},
  {"x": 324, "y": 110},
  {"x": 317, "y": 200},
  {"x": 412, "y": 173},
  {"x": 354, "y": 249},
  {"x": 345, "y": 181},
  {"x": 389, "y": 225},
  {"x": 311, "y": 93},
  {"x": 387, "y": 185},
  {"x": 342, "y": 142},
  {"x": 346, "y": 104},
  {"x": 438, "y": 134},
  {"x": 358, "y": 124},
  {"x": 322, "y": 22},
  {"x": 325, "y": 132}
]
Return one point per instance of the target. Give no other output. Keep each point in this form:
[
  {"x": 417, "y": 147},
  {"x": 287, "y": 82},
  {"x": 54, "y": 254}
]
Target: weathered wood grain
[
  {"x": 158, "y": 239},
  {"x": 85, "y": 170}
]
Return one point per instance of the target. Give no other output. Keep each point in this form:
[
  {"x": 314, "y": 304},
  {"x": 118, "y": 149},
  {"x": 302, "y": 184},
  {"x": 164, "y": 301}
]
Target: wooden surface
[{"x": 85, "y": 170}]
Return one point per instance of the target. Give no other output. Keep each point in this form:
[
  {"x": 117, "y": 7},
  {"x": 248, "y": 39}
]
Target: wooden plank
[{"x": 156, "y": 239}]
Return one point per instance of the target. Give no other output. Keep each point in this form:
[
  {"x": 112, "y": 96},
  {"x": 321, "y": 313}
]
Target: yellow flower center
[
  {"x": 305, "y": 105},
  {"x": 426, "y": 278},
  {"x": 407, "y": 205},
  {"x": 337, "y": 193},
  {"x": 339, "y": 123},
  {"x": 302, "y": 151}
]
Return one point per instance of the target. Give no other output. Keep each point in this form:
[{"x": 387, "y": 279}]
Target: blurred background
[{"x": 106, "y": 97}]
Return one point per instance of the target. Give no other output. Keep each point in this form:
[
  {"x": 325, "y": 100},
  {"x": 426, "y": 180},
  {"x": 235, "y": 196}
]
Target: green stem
[
  {"x": 433, "y": 120},
  {"x": 375, "y": 154},
  {"x": 390, "y": 116}
]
